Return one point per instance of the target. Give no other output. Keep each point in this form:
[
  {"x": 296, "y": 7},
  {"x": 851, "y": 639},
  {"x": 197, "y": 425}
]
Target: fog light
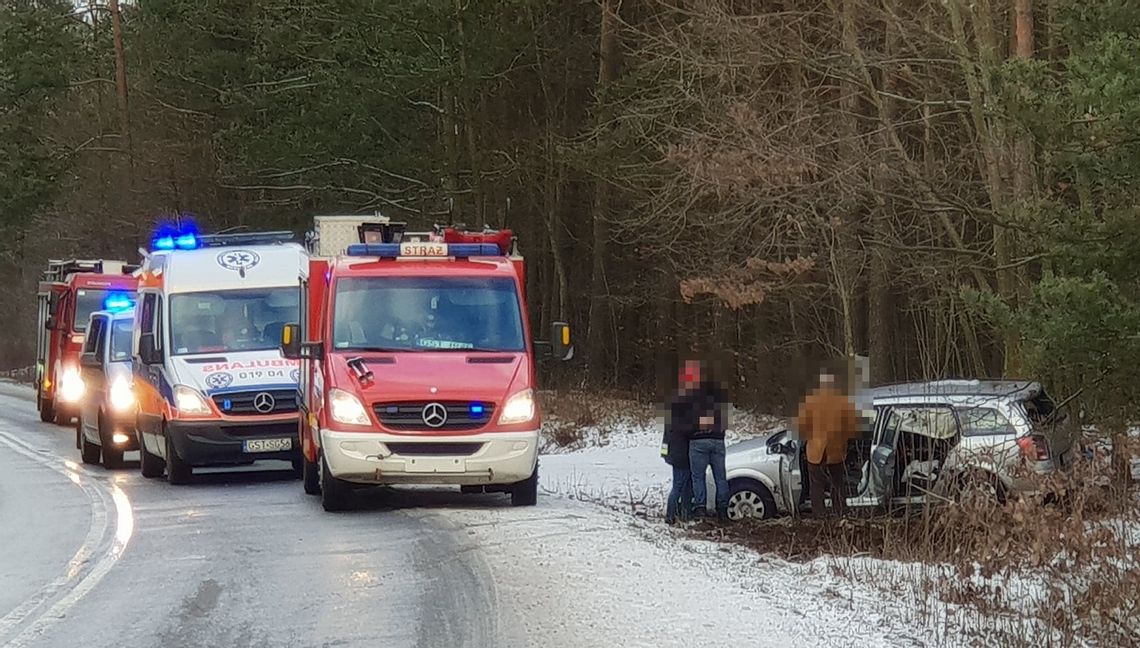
[{"x": 119, "y": 437}]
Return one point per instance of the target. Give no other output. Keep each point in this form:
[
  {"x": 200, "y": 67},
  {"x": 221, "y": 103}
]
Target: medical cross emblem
[{"x": 238, "y": 260}]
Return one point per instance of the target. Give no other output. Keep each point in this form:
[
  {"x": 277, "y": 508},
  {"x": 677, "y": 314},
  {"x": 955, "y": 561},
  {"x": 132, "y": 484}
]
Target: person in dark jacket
[
  {"x": 706, "y": 447},
  {"x": 680, "y": 422}
]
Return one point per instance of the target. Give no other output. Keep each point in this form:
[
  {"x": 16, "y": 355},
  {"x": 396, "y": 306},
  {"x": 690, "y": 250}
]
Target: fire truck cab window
[
  {"x": 232, "y": 320},
  {"x": 86, "y": 302},
  {"x": 427, "y": 314}
]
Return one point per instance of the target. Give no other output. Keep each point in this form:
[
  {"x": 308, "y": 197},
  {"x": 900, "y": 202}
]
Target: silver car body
[{"x": 935, "y": 433}]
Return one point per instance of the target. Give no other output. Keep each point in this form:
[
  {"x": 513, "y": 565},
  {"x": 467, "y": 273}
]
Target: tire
[
  {"x": 88, "y": 451},
  {"x": 749, "y": 499},
  {"x": 311, "y": 476},
  {"x": 62, "y": 416},
  {"x": 47, "y": 409},
  {"x": 112, "y": 456},
  {"x": 334, "y": 492},
  {"x": 178, "y": 472},
  {"x": 152, "y": 465},
  {"x": 525, "y": 493}
]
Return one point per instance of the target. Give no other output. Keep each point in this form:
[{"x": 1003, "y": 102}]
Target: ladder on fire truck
[{"x": 332, "y": 234}]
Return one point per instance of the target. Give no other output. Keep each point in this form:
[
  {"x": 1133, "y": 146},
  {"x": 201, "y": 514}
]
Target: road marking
[{"x": 91, "y": 562}]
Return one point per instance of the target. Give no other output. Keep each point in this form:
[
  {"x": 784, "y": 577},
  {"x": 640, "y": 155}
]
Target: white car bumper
[{"x": 490, "y": 458}]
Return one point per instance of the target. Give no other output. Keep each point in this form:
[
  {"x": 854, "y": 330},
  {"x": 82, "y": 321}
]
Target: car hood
[{"x": 217, "y": 372}]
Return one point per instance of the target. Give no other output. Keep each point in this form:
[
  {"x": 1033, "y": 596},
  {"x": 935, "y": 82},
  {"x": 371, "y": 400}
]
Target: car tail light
[{"x": 1034, "y": 447}]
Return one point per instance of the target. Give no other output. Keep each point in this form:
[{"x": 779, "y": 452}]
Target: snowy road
[{"x": 97, "y": 559}]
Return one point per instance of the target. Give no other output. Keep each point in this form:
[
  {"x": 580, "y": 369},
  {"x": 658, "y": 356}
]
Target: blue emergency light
[
  {"x": 475, "y": 410},
  {"x": 167, "y": 238},
  {"x": 454, "y": 250},
  {"x": 117, "y": 302}
]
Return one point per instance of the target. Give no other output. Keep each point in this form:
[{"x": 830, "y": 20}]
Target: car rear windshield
[
  {"x": 427, "y": 314},
  {"x": 87, "y": 301}
]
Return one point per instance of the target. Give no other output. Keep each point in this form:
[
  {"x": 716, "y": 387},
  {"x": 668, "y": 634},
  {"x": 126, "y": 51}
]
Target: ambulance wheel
[
  {"x": 311, "y": 476},
  {"x": 178, "y": 472},
  {"x": 334, "y": 492},
  {"x": 151, "y": 465},
  {"x": 47, "y": 409},
  {"x": 525, "y": 493},
  {"x": 112, "y": 454},
  {"x": 89, "y": 451}
]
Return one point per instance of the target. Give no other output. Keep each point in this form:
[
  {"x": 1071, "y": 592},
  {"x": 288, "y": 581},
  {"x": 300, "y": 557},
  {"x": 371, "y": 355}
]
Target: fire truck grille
[
  {"x": 255, "y": 403},
  {"x": 435, "y": 449},
  {"x": 460, "y": 415}
]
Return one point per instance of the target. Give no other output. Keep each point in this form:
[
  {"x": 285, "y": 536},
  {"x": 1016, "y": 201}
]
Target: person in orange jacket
[{"x": 827, "y": 422}]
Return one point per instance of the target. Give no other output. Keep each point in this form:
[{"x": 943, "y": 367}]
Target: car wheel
[
  {"x": 749, "y": 499},
  {"x": 178, "y": 472},
  {"x": 334, "y": 492},
  {"x": 112, "y": 455},
  {"x": 525, "y": 493},
  {"x": 88, "y": 451},
  {"x": 311, "y": 476},
  {"x": 151, "y": 465},
  {"x": 47, "y": 409}
]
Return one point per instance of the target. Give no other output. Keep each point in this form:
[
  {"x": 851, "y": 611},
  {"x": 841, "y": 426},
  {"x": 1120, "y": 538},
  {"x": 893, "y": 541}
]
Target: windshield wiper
[{"x": 377, "y": 349}]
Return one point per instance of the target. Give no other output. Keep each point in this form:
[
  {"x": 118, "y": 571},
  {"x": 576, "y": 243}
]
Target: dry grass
[{"x": 1044, "y": 570}]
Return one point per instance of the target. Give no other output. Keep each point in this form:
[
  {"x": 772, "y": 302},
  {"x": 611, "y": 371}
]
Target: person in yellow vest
[{"x": 827, "y": 422}]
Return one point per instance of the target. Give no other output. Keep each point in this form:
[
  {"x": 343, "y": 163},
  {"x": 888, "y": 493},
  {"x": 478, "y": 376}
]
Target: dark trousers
[
  {"x": 833, "y": 479},
  {"x": 680, "y": 502}
]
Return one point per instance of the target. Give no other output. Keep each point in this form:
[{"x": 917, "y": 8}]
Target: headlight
[
  {"x": 519, "y": 408},
  {"x": 71, "y": 386},
  {"x": 122, "y": 395},
  {"x": 346, "y": 408},
  {"x": 189, "y": 401}
]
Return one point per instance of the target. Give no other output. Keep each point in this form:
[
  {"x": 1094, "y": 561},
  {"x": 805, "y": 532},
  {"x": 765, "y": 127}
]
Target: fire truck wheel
[
  {"x": 178, "y": 472},
  {"x": 334, "y": 492},
  {"x": 89, "y": 451},
  {"x": 152, "y": 465},
  {"x": 63, "y": 416},
  {"x": 311, "y": 476},
  {"x": 525, "y": 493},
  {"x": 47, "y": 409},
  {"x": 112, "y": 456}
]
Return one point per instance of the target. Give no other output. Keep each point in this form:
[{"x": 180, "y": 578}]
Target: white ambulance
[{"x": 213, "y": 388}]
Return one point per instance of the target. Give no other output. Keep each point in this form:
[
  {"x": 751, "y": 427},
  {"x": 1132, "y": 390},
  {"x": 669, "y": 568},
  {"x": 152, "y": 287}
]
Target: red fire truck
[
  {"x": 417, "y": 365},
  {"x": 69, "y": 291}
]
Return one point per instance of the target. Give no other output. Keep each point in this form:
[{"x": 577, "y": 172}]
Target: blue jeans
[
  {"x": 680, "y": 495},
  {"x": 704, "y": 454}
]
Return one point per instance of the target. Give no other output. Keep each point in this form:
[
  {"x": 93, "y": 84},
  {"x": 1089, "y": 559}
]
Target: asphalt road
[{"x": 96, "y": 558}]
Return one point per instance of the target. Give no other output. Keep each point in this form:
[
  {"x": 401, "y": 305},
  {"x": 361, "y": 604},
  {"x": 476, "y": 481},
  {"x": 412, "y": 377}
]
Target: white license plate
[{"x": 267, "y": 445}]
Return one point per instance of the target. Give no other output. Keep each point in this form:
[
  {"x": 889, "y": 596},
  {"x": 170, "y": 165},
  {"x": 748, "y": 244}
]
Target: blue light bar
[
  {"x": 117, "y": 302},
  {"x": 162, "y": 243},
  {"x": 186, "y": 241},
  {"x": 454, "y": 250}
]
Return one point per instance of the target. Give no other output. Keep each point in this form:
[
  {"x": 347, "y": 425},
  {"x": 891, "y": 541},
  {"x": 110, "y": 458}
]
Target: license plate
[{"x": 267, "y": 445}]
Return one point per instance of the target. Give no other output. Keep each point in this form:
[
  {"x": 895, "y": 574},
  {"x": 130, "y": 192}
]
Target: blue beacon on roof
[
  {"x": 117, "y": 302},
  {"x": 168, "y": 239}
]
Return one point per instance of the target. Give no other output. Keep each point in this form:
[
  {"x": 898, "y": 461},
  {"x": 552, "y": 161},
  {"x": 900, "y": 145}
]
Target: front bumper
[
  {"x": 216, "y": 442},
  {"x": 490, "y": 458},
  {"x": 123, "y": 423}
]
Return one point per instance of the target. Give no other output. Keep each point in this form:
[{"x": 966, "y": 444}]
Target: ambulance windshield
[
  {"x": 231, "y": 320},
  {"x": 427, "y": 314}
]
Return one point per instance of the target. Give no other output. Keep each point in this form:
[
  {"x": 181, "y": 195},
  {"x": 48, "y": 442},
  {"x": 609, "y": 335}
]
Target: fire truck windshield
[
  {"x": 231, "y": 320},
  {"x": 427, "y": 314},
  {"x": 87, "y": 301}
]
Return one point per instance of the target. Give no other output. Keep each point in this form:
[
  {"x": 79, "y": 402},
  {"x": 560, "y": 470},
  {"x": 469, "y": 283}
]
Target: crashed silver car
[{"x": 920, "y": 440}]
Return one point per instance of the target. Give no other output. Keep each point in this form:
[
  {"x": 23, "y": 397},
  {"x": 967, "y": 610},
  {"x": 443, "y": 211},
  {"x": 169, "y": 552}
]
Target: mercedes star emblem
[
  {"x": 434, "y": 415},
  {"x": 264, "y": 402}
]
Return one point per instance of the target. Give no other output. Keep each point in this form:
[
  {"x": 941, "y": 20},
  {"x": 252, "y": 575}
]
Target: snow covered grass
[{"x": 1027, "y": 574}]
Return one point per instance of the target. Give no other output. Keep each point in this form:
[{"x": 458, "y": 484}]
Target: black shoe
[{"x": 722, "y": 516}]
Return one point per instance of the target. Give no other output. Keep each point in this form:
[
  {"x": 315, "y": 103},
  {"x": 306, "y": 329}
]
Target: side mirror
[
  {"x": 560, "y": 345},
  {"x": 90, "y": 361},
  {"x": 291, "y": 341},
  {"x": 148, "y": 354}
]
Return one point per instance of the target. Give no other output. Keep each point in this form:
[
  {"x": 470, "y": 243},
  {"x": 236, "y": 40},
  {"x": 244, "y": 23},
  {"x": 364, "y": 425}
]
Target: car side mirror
[
  {"x": 291, "y": 341},
  {"x": 560, "y": 346},
  {"x": 148, "y": 354},
  {"x": 90, "y": 361}
]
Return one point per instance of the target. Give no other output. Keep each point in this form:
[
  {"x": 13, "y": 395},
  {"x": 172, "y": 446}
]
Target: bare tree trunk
[
  {"x": 470, "y": 120},
  {"x": 609, "y": 64}
]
